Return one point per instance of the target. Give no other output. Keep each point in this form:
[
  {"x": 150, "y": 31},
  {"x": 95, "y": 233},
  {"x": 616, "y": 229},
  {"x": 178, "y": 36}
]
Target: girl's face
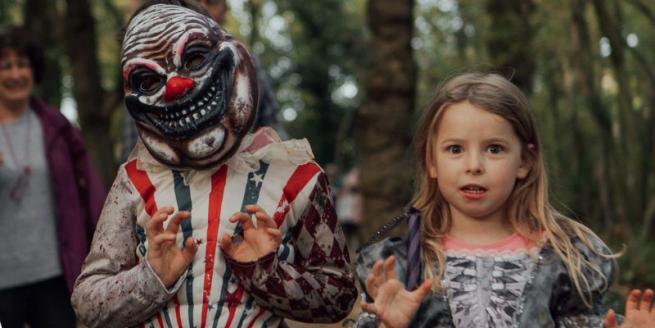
[{"x": 478, "y": 159}]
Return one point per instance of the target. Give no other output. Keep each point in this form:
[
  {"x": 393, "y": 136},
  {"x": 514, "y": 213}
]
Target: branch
[{"x": 642, "y": 8}]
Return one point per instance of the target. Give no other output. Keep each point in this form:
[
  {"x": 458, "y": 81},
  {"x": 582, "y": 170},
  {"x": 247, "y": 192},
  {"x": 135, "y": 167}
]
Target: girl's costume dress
[{"x": 509, "y": 283}]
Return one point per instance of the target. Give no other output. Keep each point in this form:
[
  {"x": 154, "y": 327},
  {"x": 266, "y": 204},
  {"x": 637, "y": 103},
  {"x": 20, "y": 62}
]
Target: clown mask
[{"x": 188, "y": 84}]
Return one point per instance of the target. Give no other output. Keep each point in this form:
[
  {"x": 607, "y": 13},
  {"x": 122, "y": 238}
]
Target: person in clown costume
[{"x": 207, "y": 225}]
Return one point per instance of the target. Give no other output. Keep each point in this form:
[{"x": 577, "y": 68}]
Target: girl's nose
[
  {"x": 176, "y": 87},
  {"x": 474, "y": 164}
]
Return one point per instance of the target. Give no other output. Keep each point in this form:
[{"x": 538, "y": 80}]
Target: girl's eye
[
  {"x": 454, "y": 149},
  {"x": 195, "y": 56},
  {"x": 495, "y": 149},
  {"x": 145, "y": 81}
]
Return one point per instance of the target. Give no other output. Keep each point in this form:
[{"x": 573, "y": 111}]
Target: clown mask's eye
[
  {"x": 145, "y": 81},
  {"x": 195, "y": 56}
]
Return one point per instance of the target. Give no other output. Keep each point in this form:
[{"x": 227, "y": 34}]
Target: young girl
[{"x": 483, "y": 237}]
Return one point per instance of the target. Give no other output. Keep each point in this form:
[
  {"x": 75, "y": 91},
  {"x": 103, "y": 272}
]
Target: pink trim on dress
[{"x": 512, "y": 243}]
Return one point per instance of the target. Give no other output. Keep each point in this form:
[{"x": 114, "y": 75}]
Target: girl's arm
[
  {"x": 316, "y": 286},
  {"x": 114, "y": 289}
]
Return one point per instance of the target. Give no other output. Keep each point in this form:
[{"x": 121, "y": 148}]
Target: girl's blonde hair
[{"x": 529, "y": 210}]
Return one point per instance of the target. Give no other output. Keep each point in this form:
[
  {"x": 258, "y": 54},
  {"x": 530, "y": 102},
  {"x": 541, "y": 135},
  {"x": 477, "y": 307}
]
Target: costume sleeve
[
  {"x": 366, "y": 258},
  {"x": 315, "y": 285},
  {"x": 567, "y": 305},
  {"x": 363, "y": 266},
  {"x": 114, "y": 289}
]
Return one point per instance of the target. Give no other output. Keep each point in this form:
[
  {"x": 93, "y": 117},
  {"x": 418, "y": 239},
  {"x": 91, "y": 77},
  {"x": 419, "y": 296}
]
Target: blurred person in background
[
  {"x": 349, "y": 204},
  {"x": 50, "y": 195}
]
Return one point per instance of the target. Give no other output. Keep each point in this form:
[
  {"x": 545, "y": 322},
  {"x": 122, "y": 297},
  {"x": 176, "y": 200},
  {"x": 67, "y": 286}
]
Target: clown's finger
[
  {"x": 176, "y": 220},
  {"x": 155, "y": 225},
  {"x": 157, "y": 242},
  {"x": 226, "y": 244},
  {"x": 244, "y": 219}
]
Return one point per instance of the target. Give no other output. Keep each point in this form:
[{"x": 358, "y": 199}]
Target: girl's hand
[
  {"x": 165, "y": 258},
  {"x": 393, "y": 304},
  {"x": 258, "y": 241},
  {"x": 639, "y": 312}
]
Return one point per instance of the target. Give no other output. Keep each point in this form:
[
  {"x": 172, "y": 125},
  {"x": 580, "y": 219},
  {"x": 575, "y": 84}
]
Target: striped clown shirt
[{"x": 307, "y": 279}]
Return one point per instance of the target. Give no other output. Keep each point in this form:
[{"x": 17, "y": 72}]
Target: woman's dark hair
[
  {"x": 18, "y": 39},
  {"x": 191, "y": 4}
]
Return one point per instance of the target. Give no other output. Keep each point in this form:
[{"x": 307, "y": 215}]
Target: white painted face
[{"x": 188, "y": 84}]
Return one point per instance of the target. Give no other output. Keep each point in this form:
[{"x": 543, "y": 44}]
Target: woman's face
[{"x": 16, "y": 77}]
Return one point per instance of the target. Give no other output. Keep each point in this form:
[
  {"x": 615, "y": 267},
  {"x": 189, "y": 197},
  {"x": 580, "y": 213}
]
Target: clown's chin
[
  {"x": 206, "y": 144},
  {"x": 207, "y": 149}
]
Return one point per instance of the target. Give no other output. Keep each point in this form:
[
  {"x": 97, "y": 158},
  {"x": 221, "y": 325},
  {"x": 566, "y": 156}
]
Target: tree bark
[
  {"x": 94, "y": 105},
  {"x": 581, "y": 62},
  {"x": 254, "y": 8},
  {"x": 43, "y": 24},
  {"x": 384, "y": 118},
  {"x": 510, "y": 41},
  {"x": 610, "y": 23}
]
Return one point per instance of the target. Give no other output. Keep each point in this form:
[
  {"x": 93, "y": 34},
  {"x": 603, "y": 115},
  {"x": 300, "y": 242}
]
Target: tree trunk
[
  {"x": 254, "y": 8},
  {"x": 510, "y": 40},
  {"x": 384, "y": 118},
  {"x": 43, "y": 25},
  {"x": 628, "y": 134},
  {"x": 581, "y": 62},
  {"x": 94, "y": 105}
]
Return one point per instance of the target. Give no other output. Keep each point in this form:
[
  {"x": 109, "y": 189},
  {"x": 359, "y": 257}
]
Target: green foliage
[
  {"x": 10, "y": 12},
  {"x": 311, "y": 49}
]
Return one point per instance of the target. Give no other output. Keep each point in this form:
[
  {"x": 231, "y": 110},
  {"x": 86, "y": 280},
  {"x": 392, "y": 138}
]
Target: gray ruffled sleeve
[{"x": 567, "y": 306}]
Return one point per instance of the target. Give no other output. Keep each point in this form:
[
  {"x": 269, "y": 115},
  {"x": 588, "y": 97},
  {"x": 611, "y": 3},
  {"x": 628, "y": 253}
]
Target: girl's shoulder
[
  {"x": 588, "y": 244},
  {"x": 598, "y": 261}
]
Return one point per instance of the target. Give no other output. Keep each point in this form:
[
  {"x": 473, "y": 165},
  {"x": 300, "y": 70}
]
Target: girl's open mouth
[{"x": 473, "y": 192}]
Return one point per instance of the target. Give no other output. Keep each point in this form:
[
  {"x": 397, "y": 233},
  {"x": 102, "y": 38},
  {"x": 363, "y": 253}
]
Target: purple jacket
[{"x": 77, "y": 189}]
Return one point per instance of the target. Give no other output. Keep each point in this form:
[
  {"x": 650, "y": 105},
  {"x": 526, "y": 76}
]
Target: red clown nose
[{"x": 177, "y": 86}]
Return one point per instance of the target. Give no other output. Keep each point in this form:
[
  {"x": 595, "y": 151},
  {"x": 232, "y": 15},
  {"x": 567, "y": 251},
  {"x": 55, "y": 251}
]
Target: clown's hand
[
  {"x": 394, "y": 305},
  {"x": 164, "y": 256},
  {"x": 639, "y": 312},
  {"x": 258, "y": 240}
]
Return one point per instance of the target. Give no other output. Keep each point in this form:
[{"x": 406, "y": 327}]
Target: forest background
[{"x": 353, "y": 76}]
